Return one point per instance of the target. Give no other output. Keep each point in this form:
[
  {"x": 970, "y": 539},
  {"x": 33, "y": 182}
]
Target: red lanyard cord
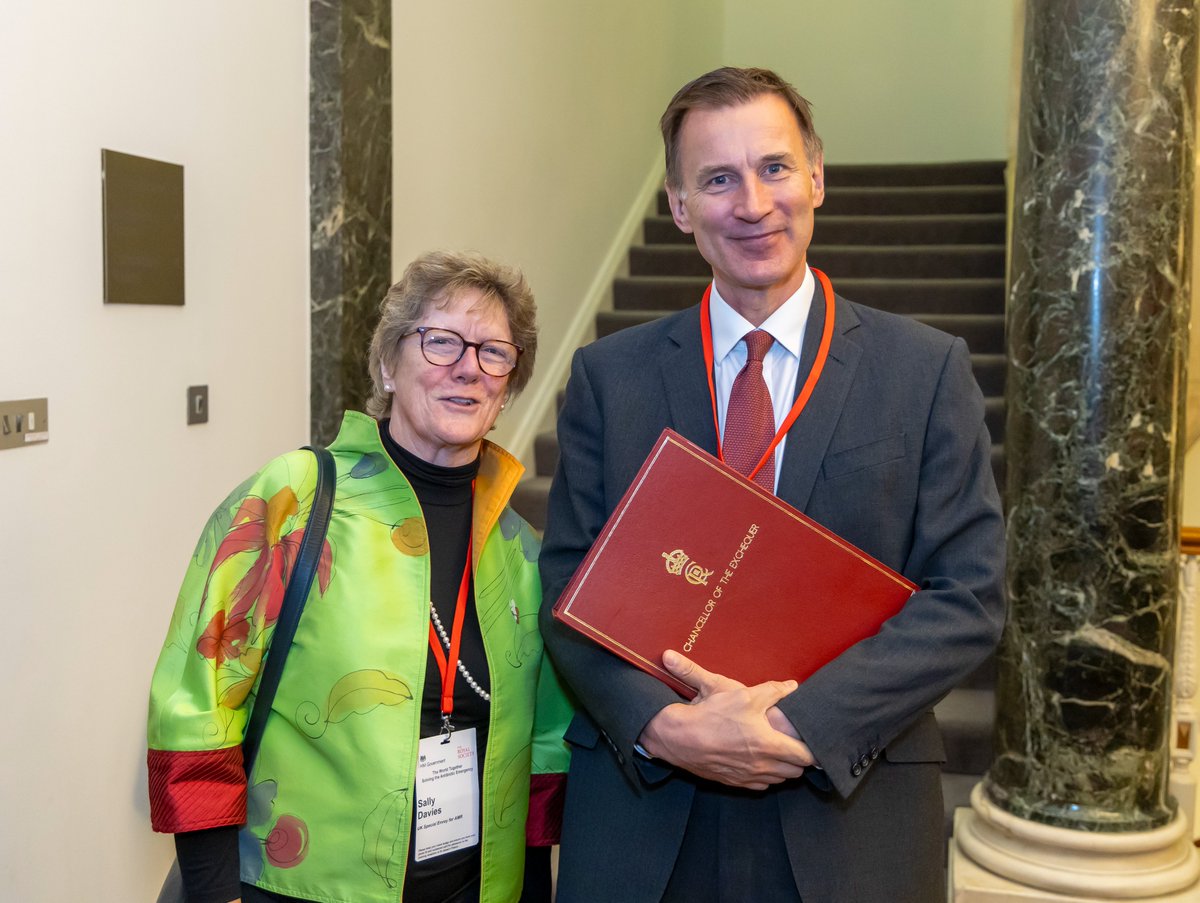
[
  {"x": 805, "y": 392},
  {"x": 447, "y": 663}
]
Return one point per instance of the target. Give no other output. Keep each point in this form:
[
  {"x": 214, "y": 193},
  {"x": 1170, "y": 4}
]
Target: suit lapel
[
  {"x": 808, "y": 439},
  {"x": 686, "y": 383}
]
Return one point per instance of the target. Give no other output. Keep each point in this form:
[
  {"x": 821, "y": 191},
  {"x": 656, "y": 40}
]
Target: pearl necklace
[{"x": 462, "y": 669}]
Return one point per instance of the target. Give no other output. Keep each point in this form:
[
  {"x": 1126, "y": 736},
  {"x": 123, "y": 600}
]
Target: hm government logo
[{"x": 678, "y": 563}]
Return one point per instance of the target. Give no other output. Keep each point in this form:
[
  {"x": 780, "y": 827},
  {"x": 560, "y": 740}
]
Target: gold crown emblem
[{"x": 678, "y": 563}]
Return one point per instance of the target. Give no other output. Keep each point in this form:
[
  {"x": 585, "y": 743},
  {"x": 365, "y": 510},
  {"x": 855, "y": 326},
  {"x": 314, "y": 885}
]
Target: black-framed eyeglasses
[{"x": 445, "y": 347}]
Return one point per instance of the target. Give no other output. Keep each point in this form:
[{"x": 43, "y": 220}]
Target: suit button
[
  {"x": 856, "y": 769},
  {"x": 874, "y": 752}
]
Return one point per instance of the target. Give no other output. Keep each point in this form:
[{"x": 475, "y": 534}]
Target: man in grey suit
[{"x": 827, "y": 791}]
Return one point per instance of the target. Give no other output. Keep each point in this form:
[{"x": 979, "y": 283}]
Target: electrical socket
[
  {"x": 24, "y": 422},
  {"x": 197, "y": 411}
]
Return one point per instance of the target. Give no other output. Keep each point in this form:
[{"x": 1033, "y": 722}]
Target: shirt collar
[{"x": 786, "y": 325}]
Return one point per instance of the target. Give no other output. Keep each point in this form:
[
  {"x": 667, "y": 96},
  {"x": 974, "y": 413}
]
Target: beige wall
[
  {"x": 890, "y": 80},
  {"x": 96, "y": 525},
  {"x": 1191, "y": 462},
  {"x": 525, "y": 130}
]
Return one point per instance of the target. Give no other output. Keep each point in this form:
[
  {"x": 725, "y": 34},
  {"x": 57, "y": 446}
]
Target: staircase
[{"x": 923, "y": 240}]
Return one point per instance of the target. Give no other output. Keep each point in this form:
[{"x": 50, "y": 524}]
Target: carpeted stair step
[
  {"x": 907, "y": 200},
  {"x": 545, "y": 453},
  {"x": 888, "y": 262},
  {"x": 529, "y": 500},
  {"x": 966, "y": 717},
  {"x": 994, "y": 416},
  {"x": 915, "y": 200},
  {"x": 959, "y": 228},
  {"x": 989, "y": 372},
  {"x": 984, "y": 333},
  {"x": 970, "y": 172},
  {"x": 901, "y": 296},
  {"x": 983, "y": 677}
]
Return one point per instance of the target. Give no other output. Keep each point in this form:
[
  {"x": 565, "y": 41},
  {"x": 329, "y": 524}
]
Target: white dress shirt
[{"x": 782, "y": 363}]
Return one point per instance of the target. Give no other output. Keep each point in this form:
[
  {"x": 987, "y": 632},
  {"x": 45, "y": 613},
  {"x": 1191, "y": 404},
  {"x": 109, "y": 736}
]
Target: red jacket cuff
[
  {"x": 194, "y": 790},
  {"x": 547, "y": 792}
]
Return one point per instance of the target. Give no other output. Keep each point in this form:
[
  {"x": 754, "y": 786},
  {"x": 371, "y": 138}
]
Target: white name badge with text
[{"x": 447, "y": 795}]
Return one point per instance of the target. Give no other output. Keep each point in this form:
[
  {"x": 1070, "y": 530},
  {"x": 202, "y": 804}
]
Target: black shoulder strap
[{"x": 299, "y": 584}]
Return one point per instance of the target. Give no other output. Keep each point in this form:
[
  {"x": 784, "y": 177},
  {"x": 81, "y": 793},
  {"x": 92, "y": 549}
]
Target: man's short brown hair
[{"x": 730, "y": 87}]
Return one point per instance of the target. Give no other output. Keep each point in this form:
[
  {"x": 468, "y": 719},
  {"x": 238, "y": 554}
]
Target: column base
[{"x": 996, "y": 857}]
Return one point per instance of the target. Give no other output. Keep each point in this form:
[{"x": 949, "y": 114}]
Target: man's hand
[{"x": 729, "y": 733}]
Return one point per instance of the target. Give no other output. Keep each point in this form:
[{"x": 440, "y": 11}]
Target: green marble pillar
[
  {"x": 350, "y": 205},
  {"x": 1097, "y": 330}
]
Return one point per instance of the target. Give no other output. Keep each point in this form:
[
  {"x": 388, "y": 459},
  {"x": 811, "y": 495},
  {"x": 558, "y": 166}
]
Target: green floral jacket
[{"x": 328, "y": 809}]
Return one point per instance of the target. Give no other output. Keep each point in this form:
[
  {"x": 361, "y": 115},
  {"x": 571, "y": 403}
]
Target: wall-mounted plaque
[{"x": 143, "y": 230}]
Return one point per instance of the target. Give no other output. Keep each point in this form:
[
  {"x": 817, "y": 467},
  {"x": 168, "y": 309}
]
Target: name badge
[{"x": 447, "y": 795}]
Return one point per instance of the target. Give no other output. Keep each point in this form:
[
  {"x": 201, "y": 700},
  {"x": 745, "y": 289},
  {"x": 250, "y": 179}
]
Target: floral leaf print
[
  {"x": 525, "y": 646},
  {"x": 325, "y": 567},
  {"x": 232, "y": 693},
  {"x": 369, "y": 465},
  {"x": 495, "y": 603},
  {"x": 222, "y": 639},
  {"x": 385, "y": 850},
  {"x": 357, "y": 693},
  {"x": 409, "y": 537},
  {"x": 251, "y": 658},
  {"x": 275, "y": 553},
  {"x": 219, "y": 520},
  {"x": 250, "y": 852},
  {"x": 258, "y": 528},
  {"x": 512, "y": 524},
  {"x": 260, "y": 799},
  {"x": 236, "y": 679},
  {"x": 287, "y": 844},
  {"x": 513, "y": 793},
  {"x": 216, "y": 731},
  {"x": 361, "y": 691}
]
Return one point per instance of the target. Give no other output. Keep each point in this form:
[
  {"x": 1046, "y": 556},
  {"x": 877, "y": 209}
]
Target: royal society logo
[{"x": 679, "y": 564}]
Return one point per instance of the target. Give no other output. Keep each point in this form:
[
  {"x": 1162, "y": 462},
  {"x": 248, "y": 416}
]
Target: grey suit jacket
[{"x": 892, "y": 453}]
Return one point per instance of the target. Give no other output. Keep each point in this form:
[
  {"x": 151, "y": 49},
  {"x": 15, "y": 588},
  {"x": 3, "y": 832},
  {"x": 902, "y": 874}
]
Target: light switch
[
  {"x": 24, "y": 422},
  {"x": 197, "y": 400}
]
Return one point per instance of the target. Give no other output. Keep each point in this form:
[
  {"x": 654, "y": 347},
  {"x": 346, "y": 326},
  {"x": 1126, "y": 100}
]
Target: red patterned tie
[{"x": 749, "y": 419}]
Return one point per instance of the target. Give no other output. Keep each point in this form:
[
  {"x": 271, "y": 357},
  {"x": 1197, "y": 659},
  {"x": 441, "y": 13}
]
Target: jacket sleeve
[
  {"x": 550, "y": 760},
  {"x": 851, "y": 709},
  {"x": 200, "y": 694},
  {"x": 620, "y": 699}
]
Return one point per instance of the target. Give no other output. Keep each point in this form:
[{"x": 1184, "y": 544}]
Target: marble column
[
  {"x": 1097, "y": 333},
  {"x": 350, "y": 205}
]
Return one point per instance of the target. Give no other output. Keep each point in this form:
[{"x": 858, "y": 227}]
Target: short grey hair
[{"x": 435, "y": 279}]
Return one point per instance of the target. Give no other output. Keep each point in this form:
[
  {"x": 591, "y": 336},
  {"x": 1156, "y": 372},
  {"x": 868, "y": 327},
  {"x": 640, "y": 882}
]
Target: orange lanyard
[
  {"x": 805, "y": 392},
  {"x": 447, "y": 664}
]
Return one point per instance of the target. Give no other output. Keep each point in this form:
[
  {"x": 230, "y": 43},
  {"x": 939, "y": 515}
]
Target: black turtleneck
[{"x": 445, "y": 495}]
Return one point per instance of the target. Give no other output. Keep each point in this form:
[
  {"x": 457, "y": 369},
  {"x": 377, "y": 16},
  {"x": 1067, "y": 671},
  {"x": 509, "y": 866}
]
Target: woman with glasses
[{"x": 396, "y": 760}]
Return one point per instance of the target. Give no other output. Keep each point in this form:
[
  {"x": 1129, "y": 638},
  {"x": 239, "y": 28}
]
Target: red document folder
[{"x": 699, "y": 559}]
